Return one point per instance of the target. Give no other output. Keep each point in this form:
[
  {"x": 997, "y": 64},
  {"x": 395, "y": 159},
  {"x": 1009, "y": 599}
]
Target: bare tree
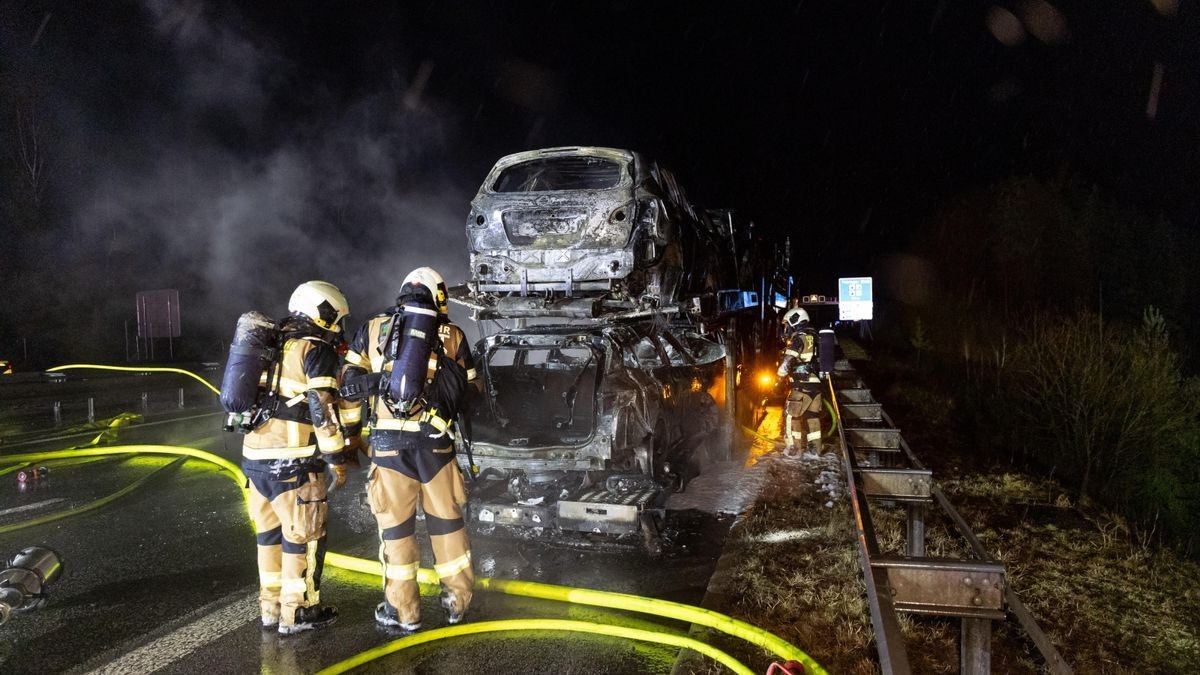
[
  {"x": 31, "y": 138},
  {"x": 31, "y": 153}
]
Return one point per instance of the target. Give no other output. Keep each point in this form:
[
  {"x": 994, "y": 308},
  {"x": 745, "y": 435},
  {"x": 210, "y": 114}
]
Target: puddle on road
[{"x": 729, "y": 487}]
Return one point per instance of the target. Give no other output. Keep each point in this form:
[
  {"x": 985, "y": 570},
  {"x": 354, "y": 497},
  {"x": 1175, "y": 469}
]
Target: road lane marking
[
  {"x": 211, "y": 626},
  {"x": 30, "y": 507}
]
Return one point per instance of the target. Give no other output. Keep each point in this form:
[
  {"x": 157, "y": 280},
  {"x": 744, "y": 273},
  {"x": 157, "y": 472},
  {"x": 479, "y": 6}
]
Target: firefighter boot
[
  {"x": 789, "y": 438},
  {"x": 814, "y": 435},
  {"x": 388, "y": 617},
  {"x": 455, "y": 612},
  {"x": 308, "y": 618}
]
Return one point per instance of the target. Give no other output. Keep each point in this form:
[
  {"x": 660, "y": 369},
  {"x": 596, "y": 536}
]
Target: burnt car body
[
  {"x": 633, "y": 407},
  {"x": 590, "y": 418},
  {"x": 586, "y": 230}
]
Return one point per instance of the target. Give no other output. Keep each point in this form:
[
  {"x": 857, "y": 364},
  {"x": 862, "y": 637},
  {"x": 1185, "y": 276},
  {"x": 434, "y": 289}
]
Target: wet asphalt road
[
  {"x": 27, "y": 400},
  {"x": 164, "y": 579}
]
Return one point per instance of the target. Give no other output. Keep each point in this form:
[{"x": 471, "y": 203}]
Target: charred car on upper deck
[
  {"x": 583, "y": 230},
  {"x": 575, "y": 416}
]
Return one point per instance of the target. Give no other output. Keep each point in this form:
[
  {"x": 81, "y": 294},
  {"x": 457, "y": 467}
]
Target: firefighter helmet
[
  {"x": 794, "y": 318},
  {"x": 433, "y": 282},
  {"x": 322, "y": 303}
]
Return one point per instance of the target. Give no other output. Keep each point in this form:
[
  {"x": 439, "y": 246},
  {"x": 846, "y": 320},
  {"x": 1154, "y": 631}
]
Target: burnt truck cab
[
  {"x": 581, "y": 231},
  {"x": 584, "y": 427}
]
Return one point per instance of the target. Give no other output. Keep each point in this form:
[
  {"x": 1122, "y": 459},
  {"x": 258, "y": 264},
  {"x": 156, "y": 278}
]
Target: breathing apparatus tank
[
  {"x": 23, "y": 583},
  {"x": 827, "y": 350},
  {"x": 417, "y": 335},
  {"x": 254, "y": 348}
]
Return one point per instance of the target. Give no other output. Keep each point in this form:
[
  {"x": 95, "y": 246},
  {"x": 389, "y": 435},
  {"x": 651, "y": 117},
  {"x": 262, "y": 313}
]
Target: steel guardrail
[{"x": 968, "y": 589}]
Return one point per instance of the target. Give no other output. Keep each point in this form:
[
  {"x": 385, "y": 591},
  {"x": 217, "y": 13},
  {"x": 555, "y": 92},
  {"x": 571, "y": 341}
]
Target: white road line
[
  {"x": 187, "y": 639},
  {"x": 35, "y": 505}
]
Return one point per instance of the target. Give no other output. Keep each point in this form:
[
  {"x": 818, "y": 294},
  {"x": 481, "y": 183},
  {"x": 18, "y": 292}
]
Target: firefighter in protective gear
[
  {"x": 285, "y": 460},
  {"x": 802, "y": 413},
  {"x": 413, "y": 455}
]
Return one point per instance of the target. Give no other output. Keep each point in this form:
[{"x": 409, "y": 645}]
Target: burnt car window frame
[
  {"x": 622, "y": 175},
  {"x": 687, "y": 338},
  {"x": 640, "y": 362},
  {"x": 672, "y": 341},
  {"x": 598, "y": 365}
]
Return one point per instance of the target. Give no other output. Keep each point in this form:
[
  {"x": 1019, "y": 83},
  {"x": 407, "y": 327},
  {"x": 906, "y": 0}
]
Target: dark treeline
[{"x": 1060, "y": 329}]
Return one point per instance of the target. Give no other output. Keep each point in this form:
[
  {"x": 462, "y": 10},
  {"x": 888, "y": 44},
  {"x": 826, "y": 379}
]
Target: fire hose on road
[{"x": 621, "y": 601}]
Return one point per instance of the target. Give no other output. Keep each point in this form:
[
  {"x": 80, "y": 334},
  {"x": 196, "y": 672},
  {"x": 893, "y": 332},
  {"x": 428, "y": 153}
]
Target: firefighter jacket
[
  {"x": 427, "y": 425},
  {"x": 799, "y": 357},
  {"x": 303, "y": 428}
]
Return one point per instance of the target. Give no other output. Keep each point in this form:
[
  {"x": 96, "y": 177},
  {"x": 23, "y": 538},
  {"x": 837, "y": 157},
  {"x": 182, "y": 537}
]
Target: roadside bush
[
  {"x": 1020, "y": 304},
  {"x": 1107, "y": 408}
]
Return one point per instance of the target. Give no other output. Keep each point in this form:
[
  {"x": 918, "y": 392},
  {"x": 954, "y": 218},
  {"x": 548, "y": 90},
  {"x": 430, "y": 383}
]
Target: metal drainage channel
[{"x": 974, "y": 590}]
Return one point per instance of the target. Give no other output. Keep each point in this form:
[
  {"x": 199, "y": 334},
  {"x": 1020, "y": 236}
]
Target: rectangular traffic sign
[{"x": 855, "y": 299}]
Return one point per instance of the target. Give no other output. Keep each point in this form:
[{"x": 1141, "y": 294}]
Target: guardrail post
[
  {"x": 975, "y": 590},
  {"x": 976, "y": 647},
  {"x": 91, "y": 409},
  {"x": 916, "y": 530},
  {"x": 57, "y": 413},
  {"x": 181, "y": 397}
]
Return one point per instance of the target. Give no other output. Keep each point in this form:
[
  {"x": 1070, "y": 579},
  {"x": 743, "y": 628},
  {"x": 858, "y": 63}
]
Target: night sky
[{"x": 234, "y": 149}]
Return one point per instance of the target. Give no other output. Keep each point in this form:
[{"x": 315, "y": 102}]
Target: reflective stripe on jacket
[{"x": 308, "y": 378}]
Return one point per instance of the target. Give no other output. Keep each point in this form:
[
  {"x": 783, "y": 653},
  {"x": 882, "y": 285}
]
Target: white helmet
[
  {"x": 795, "y": 317},
  {"x": 322, "y": 303},
  {"x": 433, "y": 282}
]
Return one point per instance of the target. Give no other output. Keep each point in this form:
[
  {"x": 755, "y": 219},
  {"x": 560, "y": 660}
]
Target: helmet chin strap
[{"x": 299, "y": 322}]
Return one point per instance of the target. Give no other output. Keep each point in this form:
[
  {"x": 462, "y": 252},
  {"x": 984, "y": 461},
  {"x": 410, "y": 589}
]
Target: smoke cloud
[{"x": 237, "y": 181}]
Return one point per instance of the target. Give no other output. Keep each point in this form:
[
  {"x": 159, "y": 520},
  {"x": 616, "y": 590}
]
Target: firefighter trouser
[
  {"x": 393, "y": 499},
  {"x": 802, "y": 406},
  {"x": 289, "y": 518}
]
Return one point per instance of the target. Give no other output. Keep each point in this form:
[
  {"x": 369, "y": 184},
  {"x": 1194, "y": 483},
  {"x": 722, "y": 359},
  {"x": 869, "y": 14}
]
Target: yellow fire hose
[
  {"x": 129, "y": 369},
  {"x": 14, "y": 467},
  {"x": 832, "y": 427},
  {"x": 92, "y": 505},
  {"x": 539, "y": 625},
  {"x": 653, "y": 606},
  {"x": 17, "y": 467},
  {"x": 100, "y": 451},
  {"x": 611, "y": 600},
  {"x": 60, "y": 463}
]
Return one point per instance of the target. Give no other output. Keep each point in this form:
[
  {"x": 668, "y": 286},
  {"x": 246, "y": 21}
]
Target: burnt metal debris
[{"x": 613, "y": 309}]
